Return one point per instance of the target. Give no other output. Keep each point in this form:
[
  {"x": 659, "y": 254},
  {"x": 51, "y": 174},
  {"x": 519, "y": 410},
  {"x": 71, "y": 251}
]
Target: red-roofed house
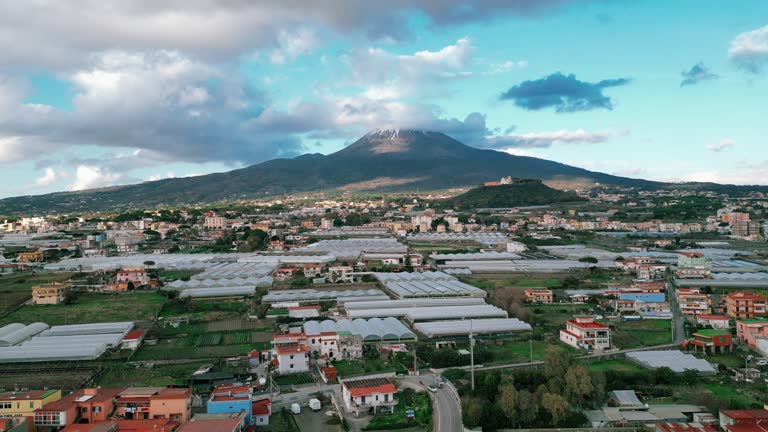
[
  {"x": 686, "y": 427},
  {"x": 292, "y": 358},
  {"x": 132, "y": 340},
  {"x": 744, "y": 420},
  {"x": 693, "y": 302},
  {"x": 261, "y": 409},
  {"x": 362, "y": 394},
  {"x": 748, "y": 331},
  {"x": 583, "y": 332},
  {"x": 215, "y": 422},
  {"x": 88, "y": 405},
  {"x": 152, "y": 425},
  {"x": 136, "y": 275}
]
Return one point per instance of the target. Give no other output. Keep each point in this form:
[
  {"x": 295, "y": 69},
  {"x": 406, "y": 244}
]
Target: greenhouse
[
  {"x": 312, "y": 295},
  {"x": 432, "y": 302},
  {"x": 22, "y": 334},
  {"x": 122, "y": 327},
  {"x": 426, "y": 313},
  {"x": 474, "y": 326},
  {"x": 374, "y": 329},
  {"x": 232, "y": 291}
]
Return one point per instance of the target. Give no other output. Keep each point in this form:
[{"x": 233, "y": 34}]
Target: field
[
  {"x": 182, "y": 348},
  {"x": 350, "y": 368},
  {"x": 635, "y": 334},
  {"x": 515, "y": 283},
  {"x": 516, "y": 351},
  {"x": 205, "y": 310},
  {"x": 16, "y": 289},
  {"x": 64, "y": 375},
  {"x": 616, "y": 366},
  {"x": 419, "y": 402},
  {"x": 552, "y": 318},
  {"x": 294, "y": 379},
  {"x": 120, "y": 375},
  {"x": 92, "y": 308}
]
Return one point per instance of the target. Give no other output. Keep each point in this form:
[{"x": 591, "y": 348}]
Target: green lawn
[
  {"x": 552, "y": 318},
  {"x": 625, "y": 366},
  {"x": 205, "y": 310},
  {"x": 118, "y": 375},
  {"x": 729, "y": 360},
  {"x": 16, "y": 289},
  {"x": 516, "y": 351},
  {"x": 636, "y": 334},
  {"x": 184, "y": 348},
  {"x": 294, "y": 379},
  {"x": 349, "y": 368},
  {"x": 420, "y": 403},
  {"x": 92, "y": 308}
]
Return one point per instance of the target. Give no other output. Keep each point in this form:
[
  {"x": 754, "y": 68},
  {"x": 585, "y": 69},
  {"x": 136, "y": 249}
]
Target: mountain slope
[{"x": 381, "y": 160}]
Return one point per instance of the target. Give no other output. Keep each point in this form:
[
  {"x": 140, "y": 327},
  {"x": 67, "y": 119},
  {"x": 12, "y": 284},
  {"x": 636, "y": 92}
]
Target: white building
[
  {"x": 291, "y": 358},
  {"x": 583, "y": 332},
  {"x": 363, "y": 394}
]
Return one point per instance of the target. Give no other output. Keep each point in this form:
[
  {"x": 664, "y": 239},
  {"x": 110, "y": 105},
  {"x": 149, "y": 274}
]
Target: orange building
[
  {"x": 538, "y": 295},
  {"x": 31, "y": 257},
  {"x": 141, "y": 403},
  {"x": 745, "y": 305},
  {"x": 88, "y": 405}
]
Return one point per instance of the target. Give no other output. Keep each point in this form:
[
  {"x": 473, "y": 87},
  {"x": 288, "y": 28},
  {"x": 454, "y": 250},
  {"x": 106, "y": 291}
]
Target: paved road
[
  {"x": 678, "y": 321},
  {"x": 447, "y": 410}
]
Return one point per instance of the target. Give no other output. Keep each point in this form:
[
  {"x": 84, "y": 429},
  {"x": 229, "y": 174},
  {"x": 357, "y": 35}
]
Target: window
[
  {"x": 291, "y": 356},
  {"x": 291, "y": 366},
  {"x": 84, "y": 409},
  {"x": 6, "y": 405},
  {"x": 97, "y": 409}
]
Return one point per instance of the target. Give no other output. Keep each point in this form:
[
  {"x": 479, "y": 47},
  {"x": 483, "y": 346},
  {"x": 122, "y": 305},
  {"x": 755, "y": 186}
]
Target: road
[
  {"x": 678, "y": 321},
  {"x": 447, "y": 409}
]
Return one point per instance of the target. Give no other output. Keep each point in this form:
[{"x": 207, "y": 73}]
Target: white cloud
[
  {"x": 293, "y": 44},
  {"x": 89, "y": 177},
  {"x": 749, "y": 50},
  {"x": 722, "y": 145},
  {"x": 506, "y": 67},
  {"x": 547, "y": 139},
  {"x": 47, "y": 179}
]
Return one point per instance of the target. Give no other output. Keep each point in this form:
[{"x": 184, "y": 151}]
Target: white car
[
  {"x": 762, "y": 362},
  {"x": 432, "y": 388}
]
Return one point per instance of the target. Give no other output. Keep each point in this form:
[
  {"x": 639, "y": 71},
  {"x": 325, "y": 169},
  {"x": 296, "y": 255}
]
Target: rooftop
[{"x": 365, "y": 387}]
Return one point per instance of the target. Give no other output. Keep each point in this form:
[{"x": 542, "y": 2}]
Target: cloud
[
  {"x": 565, "y": 93},
  {"x": 89, "y": 177},
  {"x": 217, "y": 30},
  {"x": 749, "y": 50},
  {"x": 696, "y": 74},
  {"x": 506, "y": 67},
  {"x": 293, "y": 44},
  {"x": 547, "y": 139},
  {"x": 722, "y": 145},
  {"x": 745, "y": 174},
  {"x": 47, "y": 179}
]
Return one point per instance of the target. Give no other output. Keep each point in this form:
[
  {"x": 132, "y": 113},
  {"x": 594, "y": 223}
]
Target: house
[
  {"x": 363, "y": 394},
  {"x": 215, "y": 422},
  {"x": 748, "y": 420},
  {"x": 283, "y": 273},
  {"x": 291, "y": 358},
  {"x": 135, "y": 275},
  {"x": 693, "y": 302},
  {"x": 146, "y": 403},
  {"x": 687, "y": 427},
  {"x": 89, "y": 405},
  {"x": 749, "y": 330},
  {"x": 232, "y": 398},
  {"x": 714, "y": 321},
  {"x": 709, "y": 340},
  {"x": 312, "y": 270},
  {"x": 132, "y": 340},
  {"x": 50, "y": 294},
  {"x": 151, "y": 425},
  {"x": 745, "y": 305},
  {"x": 311, "y": 311},
  {"x": 583, "y": 332},
  {"x": 341, "y": 274},
  {"x": 19, "y": 405},
  {"x": 261, "y": 409},
  {"x": 539, "y": 295},
  {"x": 27, "y": 257}
]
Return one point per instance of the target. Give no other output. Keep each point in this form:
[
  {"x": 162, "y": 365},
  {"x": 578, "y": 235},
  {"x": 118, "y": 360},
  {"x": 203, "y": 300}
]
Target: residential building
[
  {"x": 261, "y": 409},
  {"x": 17, "y": 405},
  {"x": 749, "y": 420},
  {"x": 748, "y": 331},
  {"x": 132, "y": 340},
  {"x": 584, "y": 332},
  {"x": 363, "y": 394},
  {"x": 150, "y": 425},
  {"x": 128, "y": 243},
  {"x": 291, "y": 358},
  {"x": 312, "y": 270},
  {"x": 215, "y": 422},
  {"x": 539, "y": 295},
  {"x": 89, "y": 405},
  {"x": 135, "y": 275},
  {"x": 50, "y": 294},
  {"x": 693, "y": 302},
  {"x": 27, "y": 257},
  {"x": 745, "y": 305},
  {"x": 144, "y": 403},
  {"x": 714, "y": 321},
  {"x": 693, "y": 259},
  {"x": 215, "y": 222},
  {"x": 341, "y": 274},
  {"x": 232, "y": 398},
  {"x": 711, "y": 341}
]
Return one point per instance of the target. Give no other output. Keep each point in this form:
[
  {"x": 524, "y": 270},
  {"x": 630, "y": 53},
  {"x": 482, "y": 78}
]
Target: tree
[
  {"x": 509, "y": 401},
  {"x": 663, "y": 375},
  {"x": 588, "y": 260},
  {"x": 527, "y": 408},
  {"x": 578, "y": 384},
  {"x": 408, "y": 263},
  {"x": 690, "y": 376},
  {"x": 149, "y": 263},
  {"x": 556, "y": 362},
  {"x": 556, "y": 406}
]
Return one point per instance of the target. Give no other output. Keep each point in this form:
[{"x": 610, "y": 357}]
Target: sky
[{"x": 97, "y": 93}]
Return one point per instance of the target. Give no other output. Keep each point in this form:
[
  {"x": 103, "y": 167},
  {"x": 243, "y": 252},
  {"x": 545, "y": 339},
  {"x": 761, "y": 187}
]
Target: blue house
[{"x": 232, "y": 398}]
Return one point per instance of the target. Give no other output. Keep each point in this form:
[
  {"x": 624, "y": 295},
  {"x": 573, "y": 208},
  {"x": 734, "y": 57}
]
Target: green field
[
  {"x": 516, "y": 351},
  {"x": 624, "y": 366},
  {"x": 184, "y": 348},
  {"x": 636, "y": 334},
  {"x": 294, "y": 379},
  {"x": 205, "y": 310},
  {"x": 349, "y": 368},
  {"x": 419, "y": 402},
  {"x": 92, "y": 308},
  {"x": 16, "y": 289},
  {"x": 552, "y": 318},
  {"x": 119, "y": 375}
]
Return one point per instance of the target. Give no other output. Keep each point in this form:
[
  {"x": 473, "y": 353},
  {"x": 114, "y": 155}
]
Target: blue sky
[{"x": 670, "y": 91}]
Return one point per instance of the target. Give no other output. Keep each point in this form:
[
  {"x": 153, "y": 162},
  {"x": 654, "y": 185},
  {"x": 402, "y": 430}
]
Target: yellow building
[
  {"x": 23, "y": 404},
  {"x": 53, "y": 293},
  {"x": 31, "y": 257}
]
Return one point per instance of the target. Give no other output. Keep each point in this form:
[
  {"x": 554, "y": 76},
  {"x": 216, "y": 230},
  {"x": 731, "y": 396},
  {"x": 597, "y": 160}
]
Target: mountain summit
[{"x": 382, "y": 160}]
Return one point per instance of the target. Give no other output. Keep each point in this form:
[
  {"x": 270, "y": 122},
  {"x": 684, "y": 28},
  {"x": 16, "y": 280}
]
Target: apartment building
[
  {"x": 745, "y": 305},
  {"x": 50, "y": 294},
  {"x": 143, "y": 403},
  {"x": 584, "y": 332},
  {"x": 538, "y": 295}
]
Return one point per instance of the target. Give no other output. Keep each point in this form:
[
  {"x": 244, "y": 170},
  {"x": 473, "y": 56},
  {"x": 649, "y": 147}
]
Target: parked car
[
  {"x": 762, "y": 362},
  {"x": 432, "y": 388}
]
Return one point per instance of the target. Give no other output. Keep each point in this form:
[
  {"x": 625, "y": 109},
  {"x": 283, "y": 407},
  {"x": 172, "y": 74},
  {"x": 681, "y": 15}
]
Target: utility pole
[
  {"x": 531, "y": 345},
  {"x": 472, "y": 354}
]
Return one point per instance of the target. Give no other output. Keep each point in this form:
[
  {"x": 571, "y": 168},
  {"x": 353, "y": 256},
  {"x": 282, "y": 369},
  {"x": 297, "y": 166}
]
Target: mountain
[
  {"x": 385, "y": 160},
  {"x": 521, "y": 192}
]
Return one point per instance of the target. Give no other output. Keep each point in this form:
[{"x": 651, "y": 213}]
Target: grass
[
  {"x": 208, "y": 339},
  {"x": 184, "y": 348},
  {"x": 420, "y": 403},
  {"x": 636, "y": 334},
  {"x": 516, "y": 351},
  {"x": 92, "y": 308},
  {"x": 16, "y": 289},
  {"x": 553, "y": 317},
  {"x": 622, "y": 366},
  {"x": 728, "y": 360},
  {"x": 348, "y": 368},
  {"x": 205, "y": 310},
  {"x": 293, "y": 379},
  {"x": 118, "y": 375}
]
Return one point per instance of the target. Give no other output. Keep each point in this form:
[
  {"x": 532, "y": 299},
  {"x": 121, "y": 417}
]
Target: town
[{"x": 350, "y": 311}]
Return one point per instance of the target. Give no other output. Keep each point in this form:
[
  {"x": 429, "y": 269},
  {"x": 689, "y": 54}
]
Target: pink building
[
  {"x": 750, "y": 329},
  {"x": 136, "y": 275},
  {"x": 143, "y": 403}
]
